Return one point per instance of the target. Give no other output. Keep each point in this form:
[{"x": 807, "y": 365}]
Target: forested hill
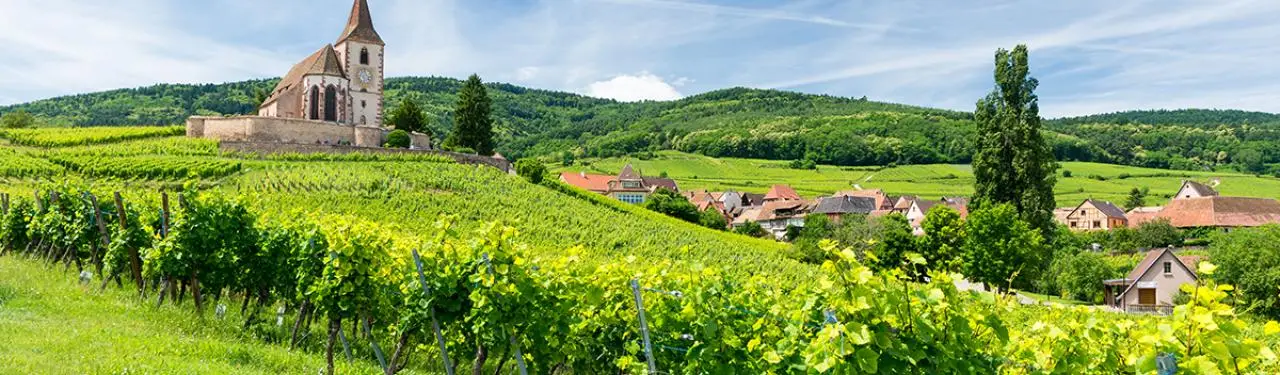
[
  {"x": 735, "y": 122},
  {"x": 1186, "y": 117}
]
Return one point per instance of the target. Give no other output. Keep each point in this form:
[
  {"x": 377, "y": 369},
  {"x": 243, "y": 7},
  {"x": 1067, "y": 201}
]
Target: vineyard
[
  {"x": 414, "y": 264},
  {"x": 491, "y": 297},
  {"x": 85, "y": 136}
]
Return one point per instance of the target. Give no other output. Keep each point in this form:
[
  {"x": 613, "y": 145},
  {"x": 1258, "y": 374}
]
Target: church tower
[{"x": 360, "y": 50}]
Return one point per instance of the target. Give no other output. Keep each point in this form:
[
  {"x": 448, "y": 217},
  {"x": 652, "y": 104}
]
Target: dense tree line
[{"x": 735, "y": 122}]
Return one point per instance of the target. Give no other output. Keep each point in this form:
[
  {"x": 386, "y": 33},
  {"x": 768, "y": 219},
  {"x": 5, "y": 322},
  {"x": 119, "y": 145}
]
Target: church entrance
[{"x": 330, "y": 104}]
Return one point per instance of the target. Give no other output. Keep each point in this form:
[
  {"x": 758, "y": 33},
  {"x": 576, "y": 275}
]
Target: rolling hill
[{"x": 738, "y": 122}]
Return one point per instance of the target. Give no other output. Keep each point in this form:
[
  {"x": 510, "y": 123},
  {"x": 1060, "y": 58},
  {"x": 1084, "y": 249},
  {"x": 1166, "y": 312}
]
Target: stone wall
[
  {"x": 265, "y": 148},
  {"x": 283, "y": 130},
  {"x": 419, "y": 141}
]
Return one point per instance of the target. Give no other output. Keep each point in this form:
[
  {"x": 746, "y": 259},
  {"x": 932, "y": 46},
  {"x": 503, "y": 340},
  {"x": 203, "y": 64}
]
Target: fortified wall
[{"x": 291, "y": 130}]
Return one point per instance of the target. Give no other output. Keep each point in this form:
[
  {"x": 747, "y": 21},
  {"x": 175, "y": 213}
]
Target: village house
[
  {"x": 882, "y": 201},
  {"x": 836, "y": 207},
  {"x": 1199, "y": 206},
  {"x": 628, "y": 186},
  {"x": 782, "y": 207},
  {"x": 1152, "y": 284},
  {"x": 915, "y": 209},
  {"x": 1092, "y": 214}
]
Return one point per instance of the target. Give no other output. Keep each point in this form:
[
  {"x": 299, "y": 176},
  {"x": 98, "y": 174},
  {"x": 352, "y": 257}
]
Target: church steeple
[{"x": 360, "y": 25}]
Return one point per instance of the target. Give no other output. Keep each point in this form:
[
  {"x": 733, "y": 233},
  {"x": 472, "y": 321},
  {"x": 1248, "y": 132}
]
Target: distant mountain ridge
[{"x": 735, "y": 122}]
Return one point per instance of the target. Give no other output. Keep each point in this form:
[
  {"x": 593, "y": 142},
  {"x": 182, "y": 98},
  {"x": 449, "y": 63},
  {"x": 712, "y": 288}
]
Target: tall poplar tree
[
  {"x": 472, "y": 122},
  {"x": 1013, "y": 164}
]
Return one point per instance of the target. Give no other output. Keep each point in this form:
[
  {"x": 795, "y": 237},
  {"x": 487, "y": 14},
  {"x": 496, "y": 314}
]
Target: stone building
[
  {"x": 341, "y": 82},
  {"x": 332, "y": 97}
]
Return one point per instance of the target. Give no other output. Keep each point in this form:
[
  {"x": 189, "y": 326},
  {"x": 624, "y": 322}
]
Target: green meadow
[{"x": 1088, "y": 180}]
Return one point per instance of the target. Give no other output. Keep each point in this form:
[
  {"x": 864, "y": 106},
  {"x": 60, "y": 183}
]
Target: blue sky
[{"x": 1090, "y": 56}]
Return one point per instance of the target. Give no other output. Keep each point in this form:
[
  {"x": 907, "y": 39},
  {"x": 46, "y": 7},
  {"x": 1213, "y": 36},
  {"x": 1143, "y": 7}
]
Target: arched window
[
  {"x": 363, "y": 120},
  {"x": 330, "y": 104},
  {"x": 364, "y": 56},
  {"x": 315, "y": 103}
]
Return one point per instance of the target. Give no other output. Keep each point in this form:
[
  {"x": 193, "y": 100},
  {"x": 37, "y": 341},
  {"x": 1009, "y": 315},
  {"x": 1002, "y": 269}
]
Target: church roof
[
  {"x": 322, "y": 62},
  {"x": 360, "y": 25}
]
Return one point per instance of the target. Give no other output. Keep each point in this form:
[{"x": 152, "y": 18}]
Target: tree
[
  {"x": 472, "y": 121},
  {"x": 1013, "y": 164},
  {"x": 943, "y": 238},
  {"x": 894, "y": 240},
  {"x": 566, "y": 159},
  {"x": 1158, "y": 233},
  {"x": 531, "y": 170},
  {"x": 1249, "y": 259},
  {"x": 1137, "y": 198},
  {"x": 672, "y": 204},
  {"x": 398, "y": 139},
  {"x": 1250, "y": 160},
  {"x": 712, "y": 218},
  {"x": 19, "y": 119},
  {"x": 752, "y": 229},
  {"x": 1082, "y": 275},
  {"x": 999, "y": 247},
  {"x": 408, "y": 117},
  {"x": 817, "y": 227}
]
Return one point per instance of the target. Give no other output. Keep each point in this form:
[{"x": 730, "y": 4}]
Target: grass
[
  {"x": 1042, "y": 298},
  {"x": 1113, "y": 182},
  {"x": 51, "y": 324}
]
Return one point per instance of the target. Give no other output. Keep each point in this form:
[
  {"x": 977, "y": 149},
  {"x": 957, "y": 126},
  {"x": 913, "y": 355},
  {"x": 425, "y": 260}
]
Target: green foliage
[
  {"x": 817, "y": 228},
  {"x": 1000, "y": 249},
  {"x": 18, "y": 119},
  {"x": 893, "y": 241},
  {"x": 353, "y": 273},
  {"x": 712, "y": 218},
  {"x": 473, "y": 122},
  {"x": 806, "y": 163},
  {"x": 943, "y": 238},
  {"x": 566, "y": 158},
  {"x": 670, "y": 203},
  {"x": 206, "y": 237},
  {"x": 398, "y": 139},
  {"x": 752, "y": 229},
  {"x": 57, "y": 137},
  {"x": 531, "y": 169},
  {"x": 136, "y": 235},
  {"x": 1081, "y": 275},
  {"x": 1249, "y": 259},
  {"x": 1137, "y": 198},
  {"x": 409, "y": 117},
  {"x": 1013, "y": 164},
  {"x": 13, "y": 234}
]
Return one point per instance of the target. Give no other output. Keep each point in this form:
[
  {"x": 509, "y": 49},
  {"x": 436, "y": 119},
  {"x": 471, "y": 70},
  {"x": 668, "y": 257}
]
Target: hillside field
[
  {"x": 693, "y": 171},
  {"x": 554, "y": 269}
]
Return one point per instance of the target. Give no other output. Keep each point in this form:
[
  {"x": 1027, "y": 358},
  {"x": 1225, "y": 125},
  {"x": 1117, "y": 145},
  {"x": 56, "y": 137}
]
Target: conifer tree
[
  {"x": 1013, "y": 164},
  {"x": 473, "y": 125}
]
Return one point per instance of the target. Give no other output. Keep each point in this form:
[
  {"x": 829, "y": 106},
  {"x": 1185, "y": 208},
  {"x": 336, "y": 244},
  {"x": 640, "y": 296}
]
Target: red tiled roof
[
  {"x": 781, "y": 192},
  {"x": 592, "y": 182},
  {"x": 322, "y": 62},
  {"x": 1219, "y": 211}
]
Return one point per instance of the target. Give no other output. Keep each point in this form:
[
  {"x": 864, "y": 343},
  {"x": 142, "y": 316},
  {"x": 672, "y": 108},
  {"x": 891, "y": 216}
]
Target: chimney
[{"x": 583, "y": 174}]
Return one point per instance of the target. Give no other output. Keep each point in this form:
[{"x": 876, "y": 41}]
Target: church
[
  {"x": 332, "y": 97},
  {"x": 341, "y": 82}
]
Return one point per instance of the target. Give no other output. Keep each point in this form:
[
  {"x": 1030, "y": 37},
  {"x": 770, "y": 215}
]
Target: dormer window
[{"x": 364, "y": 56}]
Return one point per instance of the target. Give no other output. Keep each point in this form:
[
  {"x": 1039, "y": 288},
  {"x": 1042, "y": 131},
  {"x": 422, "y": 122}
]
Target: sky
[{"x": 1090, "y": 56}]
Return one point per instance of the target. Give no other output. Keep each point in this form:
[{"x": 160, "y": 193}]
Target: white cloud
[
  {"x": 631, "y": 88},
  {"x": 527, "y": 73}
]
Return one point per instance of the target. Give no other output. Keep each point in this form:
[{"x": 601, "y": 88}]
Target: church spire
[{"x": 360, "y": 25}]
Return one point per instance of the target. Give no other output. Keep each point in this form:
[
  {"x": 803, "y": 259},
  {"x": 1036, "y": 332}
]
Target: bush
[
  {"x": 1000, "y": 249},
  {"x": 531, "y": 170},
  {"x": 1250, "y": 260},
  {"x": 712, "y": 218},
  {"x": 1082, "y": 274},
  {"x": 671, "y": 203},
  {"x": 397, "y": 139},
  {"x": 752, "y": 229},
  {"x": 1066, "y": 173}
]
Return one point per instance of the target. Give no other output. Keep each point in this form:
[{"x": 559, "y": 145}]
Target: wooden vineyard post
[
  {"x": 164, "y": 214},
  {"x": 510, "y": 335},
  {"x": 644, "y": 327},
  {"x": 135, "y": 260},
  {"x": 435, "y": 323},
  {"x": 373, "y": 342},
  {"x": 4, "y": 201},
  {"x": 39, "y": 202}
]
